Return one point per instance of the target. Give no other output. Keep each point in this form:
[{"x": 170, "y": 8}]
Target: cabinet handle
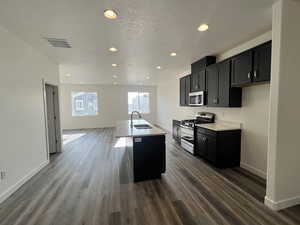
[
  {"x": 249, "y": 75},
  {"x": 255, "y": 73}
]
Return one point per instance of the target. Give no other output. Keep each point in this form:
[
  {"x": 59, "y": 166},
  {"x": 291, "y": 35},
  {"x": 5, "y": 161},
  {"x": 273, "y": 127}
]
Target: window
[
  {"x": 84, "y": 103},
  {"x": 138, "y": 101}
]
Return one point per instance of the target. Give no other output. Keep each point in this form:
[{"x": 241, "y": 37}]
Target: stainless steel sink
[{"x": 142, "y": 126}]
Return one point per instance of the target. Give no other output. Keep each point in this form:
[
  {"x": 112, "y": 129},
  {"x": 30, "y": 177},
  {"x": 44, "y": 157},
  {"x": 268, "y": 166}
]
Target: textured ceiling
[{"x": 145, "y": 33}]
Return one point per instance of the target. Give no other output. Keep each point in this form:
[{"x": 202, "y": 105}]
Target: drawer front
[{"x": 206, "y": 131}]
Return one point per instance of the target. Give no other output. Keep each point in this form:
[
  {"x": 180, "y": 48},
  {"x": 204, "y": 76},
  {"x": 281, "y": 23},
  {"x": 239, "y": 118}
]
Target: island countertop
[{"x": 123, "y": 129}]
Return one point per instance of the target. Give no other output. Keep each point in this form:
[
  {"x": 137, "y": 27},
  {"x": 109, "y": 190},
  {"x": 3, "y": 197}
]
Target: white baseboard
[
  {"x": 282, "y": 204},
  {"x": 27, "y": 177},
  {"x": 254, "y": 170}
]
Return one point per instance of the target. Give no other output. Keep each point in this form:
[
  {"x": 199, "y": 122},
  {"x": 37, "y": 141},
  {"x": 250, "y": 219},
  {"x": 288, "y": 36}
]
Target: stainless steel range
[{"x": 188, "y": 132}]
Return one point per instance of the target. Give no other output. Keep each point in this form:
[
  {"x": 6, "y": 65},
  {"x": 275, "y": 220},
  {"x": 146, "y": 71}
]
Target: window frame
[{"x": 139, "y": 105}]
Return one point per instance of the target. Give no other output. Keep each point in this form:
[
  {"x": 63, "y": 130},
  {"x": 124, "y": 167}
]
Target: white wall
[
  {"x": 283, "y": 183},
  {"x": 22, "y": 133},
  {"x": 253, "y": 115},
  {"x": 112, "y": 103}
]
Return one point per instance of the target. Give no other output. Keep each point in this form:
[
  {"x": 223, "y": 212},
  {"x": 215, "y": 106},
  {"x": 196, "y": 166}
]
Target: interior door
[{"x": 51, "y": 117}]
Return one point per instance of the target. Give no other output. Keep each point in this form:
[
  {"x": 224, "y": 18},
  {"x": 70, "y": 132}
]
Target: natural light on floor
[
  {"x": 121, "y": 143},
  {"x": 67, "y": 138}
]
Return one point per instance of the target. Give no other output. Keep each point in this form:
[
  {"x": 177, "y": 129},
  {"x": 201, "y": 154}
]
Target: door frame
[{"x": 58, "y": 121}]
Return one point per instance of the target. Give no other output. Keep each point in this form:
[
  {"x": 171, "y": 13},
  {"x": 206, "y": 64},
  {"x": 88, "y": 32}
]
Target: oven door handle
[{"x": 185, "y": 127}]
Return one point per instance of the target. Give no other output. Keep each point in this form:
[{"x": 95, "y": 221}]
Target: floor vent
[{"x": 58, "y": 43}]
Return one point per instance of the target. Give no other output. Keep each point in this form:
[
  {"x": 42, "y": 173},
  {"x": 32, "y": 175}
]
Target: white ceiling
[{"x": 145, "y": 33}]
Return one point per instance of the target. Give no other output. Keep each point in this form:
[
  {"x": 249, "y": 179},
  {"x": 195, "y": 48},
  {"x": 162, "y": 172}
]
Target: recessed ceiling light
[
  {"x": 114, "y": 65},
  {"x": 67, "y": 74},
  {"x": 173, "y": 54},
  {"x": 147, "y": 77},
  {"x": 158, "y": 67},
  {"x": 110, "y": 14},
  {"x": 115, "y": 83},
  {"x": 113, "y": 49},
  {"x": 115, "y": 76},
  {"x": 203, "y": 27}
]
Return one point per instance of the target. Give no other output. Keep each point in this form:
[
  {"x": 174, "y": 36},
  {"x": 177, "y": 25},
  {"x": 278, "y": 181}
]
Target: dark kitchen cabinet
[
  {"x": 211, "y": 149},
  {"x": 198, "y": 76},
  {"x": 219, "y": 90},
  {"x": 185, "y": 87},
  {"x": 201, "y": 147},
  {"x": 221, "y": 148},
  {"x": 262, "y": 63},
  {"x": 252, "y": 66},
  {"x": 176, "y": 131},
  {"x": 212, "y": 85},
  {"x": 147, "y": 163},
  {"x": 242, "y": 69},
  {"x": 198, "y": 81},
  {"x": 182, "y": 91}
]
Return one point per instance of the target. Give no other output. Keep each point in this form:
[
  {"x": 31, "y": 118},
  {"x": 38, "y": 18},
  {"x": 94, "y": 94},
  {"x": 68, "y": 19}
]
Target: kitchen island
[{"x": 148, "y": 148}]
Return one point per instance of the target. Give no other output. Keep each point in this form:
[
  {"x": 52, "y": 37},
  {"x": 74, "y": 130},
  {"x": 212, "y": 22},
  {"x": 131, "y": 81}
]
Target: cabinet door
[
  {"x": 262, "y": 63},
  {"x": 211, "y": 149},
  {"x": 182, "y": 92},
  {"x": 224, "y": 84},
  {"x": 201, "y": 145},
  {"x": 187, "y": 89},
  {"x": 212, "y": 85},
  {"x": 202, "y": 80},
  {"x": 194, "y": 82},
  {"x": 242, "y": 69}
]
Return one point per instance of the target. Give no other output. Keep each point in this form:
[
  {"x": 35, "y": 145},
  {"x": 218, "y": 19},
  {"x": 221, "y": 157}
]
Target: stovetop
[{"x": 201, "y": 118}]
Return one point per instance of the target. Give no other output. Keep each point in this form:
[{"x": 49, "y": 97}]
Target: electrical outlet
[{"x": 2, "y": 175}]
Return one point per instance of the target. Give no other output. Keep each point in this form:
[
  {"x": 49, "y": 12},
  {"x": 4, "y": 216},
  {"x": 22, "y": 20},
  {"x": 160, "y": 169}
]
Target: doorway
[{"x": 53, "y": 119}]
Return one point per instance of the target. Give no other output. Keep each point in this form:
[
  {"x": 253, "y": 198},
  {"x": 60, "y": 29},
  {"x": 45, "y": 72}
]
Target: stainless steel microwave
[{"x": 197, "y": 98}]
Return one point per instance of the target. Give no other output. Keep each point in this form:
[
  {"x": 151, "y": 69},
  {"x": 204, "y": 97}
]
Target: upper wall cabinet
[
  {"x": 198, "y": 76},
  {"x": 251, "y": 66},
  {"x": 241, "y": 69},
  {"x": 219, "y": 90},
  {"x": 185, "y": 87},
  {"x": 262, "y": 62}
]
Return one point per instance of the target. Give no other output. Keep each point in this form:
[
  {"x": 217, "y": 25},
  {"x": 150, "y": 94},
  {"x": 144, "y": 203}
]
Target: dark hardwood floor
[{"x": 90, "y": 183}]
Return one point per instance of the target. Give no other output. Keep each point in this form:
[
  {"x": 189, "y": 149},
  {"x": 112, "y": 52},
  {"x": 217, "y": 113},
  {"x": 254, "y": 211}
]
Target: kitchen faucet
[{"x": 140, "y": 116}]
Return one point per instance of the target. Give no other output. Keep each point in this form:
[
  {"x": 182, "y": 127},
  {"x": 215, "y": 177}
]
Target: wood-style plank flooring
[{"x": 90, "y": 183}]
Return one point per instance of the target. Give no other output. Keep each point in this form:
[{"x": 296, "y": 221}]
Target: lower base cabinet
[
  {"x": 149, "y": 157},
  {"x": 221, "y": 148}
]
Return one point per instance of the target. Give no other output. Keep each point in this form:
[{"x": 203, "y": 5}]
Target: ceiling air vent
[{"x": 58, "y": 42}]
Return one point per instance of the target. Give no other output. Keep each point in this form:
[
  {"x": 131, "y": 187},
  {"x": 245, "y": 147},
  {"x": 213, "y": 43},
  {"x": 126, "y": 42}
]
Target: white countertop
[
  {"x": 123, "y": 129},
  {"x": 221, "y": 126}
]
